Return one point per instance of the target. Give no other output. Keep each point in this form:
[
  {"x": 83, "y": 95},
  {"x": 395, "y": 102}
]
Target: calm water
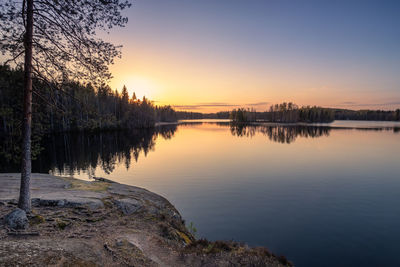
[{"x": 322, "y": 196}]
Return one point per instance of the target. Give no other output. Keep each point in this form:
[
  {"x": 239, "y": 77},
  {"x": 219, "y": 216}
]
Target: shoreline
[
  {"x": 104, "y": 223},
  {"x": 330, "y": 125}
]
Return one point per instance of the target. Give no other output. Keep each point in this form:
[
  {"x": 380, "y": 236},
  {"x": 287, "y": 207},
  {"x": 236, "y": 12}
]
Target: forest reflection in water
[
  {"x": 73, "y": 153},
  {"x": 279, "y": 133},
  {"x": 287, "y": 133},
  {"x": 69, "y": 154}
]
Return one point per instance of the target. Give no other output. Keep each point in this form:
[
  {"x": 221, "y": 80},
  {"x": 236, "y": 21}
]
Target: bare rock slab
[
  {"x": 128, "y": 206},
  {"x": 70, "y": 202}
]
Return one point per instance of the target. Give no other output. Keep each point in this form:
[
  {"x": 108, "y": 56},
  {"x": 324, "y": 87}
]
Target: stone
[
  {"x": 120, "y": 242},
  {"x": 17, "y": 219},
  {"x": 153, "y": 210},
  {"x": 128, "y": 206},
  {"x": 71, "y": 202},
  {"x": 94, "y": 205},
  {"x": 61, "y": 203},
  {"x": 176, "y": 216},
  {"x": 67, "y": 186},
  {"x": 48, "y": 202}
]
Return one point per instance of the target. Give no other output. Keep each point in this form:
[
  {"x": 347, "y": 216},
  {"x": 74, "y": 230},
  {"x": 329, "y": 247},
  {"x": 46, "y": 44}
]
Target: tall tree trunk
[{"x": 26, "y": 163}]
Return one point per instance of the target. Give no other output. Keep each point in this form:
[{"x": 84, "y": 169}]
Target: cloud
[
  {"x": 258, "y": 104},
  {"x": 348, "y": 103},
  {"x": 351, "y": 103},
  {"x": 218, "y": 105},
  {"x": 392, "y": 103},
  {"x": 204, "y": 105},
  {"x": 187, "y": 106},
  {"x": 215, "y": 104}
]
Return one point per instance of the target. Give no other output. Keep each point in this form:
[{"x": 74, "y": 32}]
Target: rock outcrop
[{"x": 102, "y": 223}]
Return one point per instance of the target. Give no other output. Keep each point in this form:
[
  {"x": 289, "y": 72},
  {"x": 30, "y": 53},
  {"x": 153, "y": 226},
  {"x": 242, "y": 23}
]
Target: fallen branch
[{"x": 101, "y": 179}]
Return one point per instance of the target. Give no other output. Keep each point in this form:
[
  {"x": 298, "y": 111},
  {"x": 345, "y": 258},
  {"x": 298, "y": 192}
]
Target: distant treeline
[
  {"x": 367, "y": 115},
  {"x": 71, "y": 107},
  {"x": 285, "y": 112},
  {"x": 289, "y": 113},
  {"x": 187, "y": 115}
]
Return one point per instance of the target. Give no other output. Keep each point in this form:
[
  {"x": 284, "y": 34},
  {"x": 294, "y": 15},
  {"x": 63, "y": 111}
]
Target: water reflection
[
  {"x": 72, "y": 153},
  {"x": 279, "y": 133}
]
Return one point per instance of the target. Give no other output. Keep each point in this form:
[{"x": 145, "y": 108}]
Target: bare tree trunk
[{"x": 26, "y": 163}]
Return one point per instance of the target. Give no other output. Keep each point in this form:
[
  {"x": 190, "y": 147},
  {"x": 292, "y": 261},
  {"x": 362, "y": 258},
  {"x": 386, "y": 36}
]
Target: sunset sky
[{"x": 214, "y": 55}]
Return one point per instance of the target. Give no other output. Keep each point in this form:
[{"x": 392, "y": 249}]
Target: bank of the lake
[{"x": 103, "y": 223}]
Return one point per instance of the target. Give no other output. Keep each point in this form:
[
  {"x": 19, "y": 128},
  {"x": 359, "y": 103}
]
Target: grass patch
[
  {"x": 208, "y": 247},
  {"x": 239, "y": 253},
  {"x": 95, "y": 186},
  {"x": 184, "y": 237},
  {"x": 61, "y": 224},
  {"x": 192, "y": 229},
  {"x": 36, "y": 219}
]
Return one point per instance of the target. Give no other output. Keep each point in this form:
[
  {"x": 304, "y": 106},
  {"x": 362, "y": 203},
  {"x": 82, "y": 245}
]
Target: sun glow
[
  {"x": 202, "y": 60},
  {"x": 142, "y": 86}
]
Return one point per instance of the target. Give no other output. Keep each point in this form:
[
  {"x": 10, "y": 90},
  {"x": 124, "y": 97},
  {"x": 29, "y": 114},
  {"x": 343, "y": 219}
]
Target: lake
[{"x": 322, "y": 195}]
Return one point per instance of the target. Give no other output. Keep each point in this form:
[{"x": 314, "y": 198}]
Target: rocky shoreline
[{"x": 103, "y": 223}]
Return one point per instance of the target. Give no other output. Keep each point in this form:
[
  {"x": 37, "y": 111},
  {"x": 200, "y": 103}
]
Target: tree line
[
  {"x": 75, "y": 107},
  {"x": 188, "y": 115},
  {"x": 367, "y": 115},
  {"x": 291, "y": 113},
  {"x": 285, "y": 113}
]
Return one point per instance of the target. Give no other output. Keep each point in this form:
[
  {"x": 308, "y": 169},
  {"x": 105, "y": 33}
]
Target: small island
[{"x": 104, "y": 223}]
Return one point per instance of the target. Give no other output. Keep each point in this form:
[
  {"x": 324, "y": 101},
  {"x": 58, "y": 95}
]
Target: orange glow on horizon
[
  {"x": 216, "y": 76},
  {"x": 170, "y": 79}
]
